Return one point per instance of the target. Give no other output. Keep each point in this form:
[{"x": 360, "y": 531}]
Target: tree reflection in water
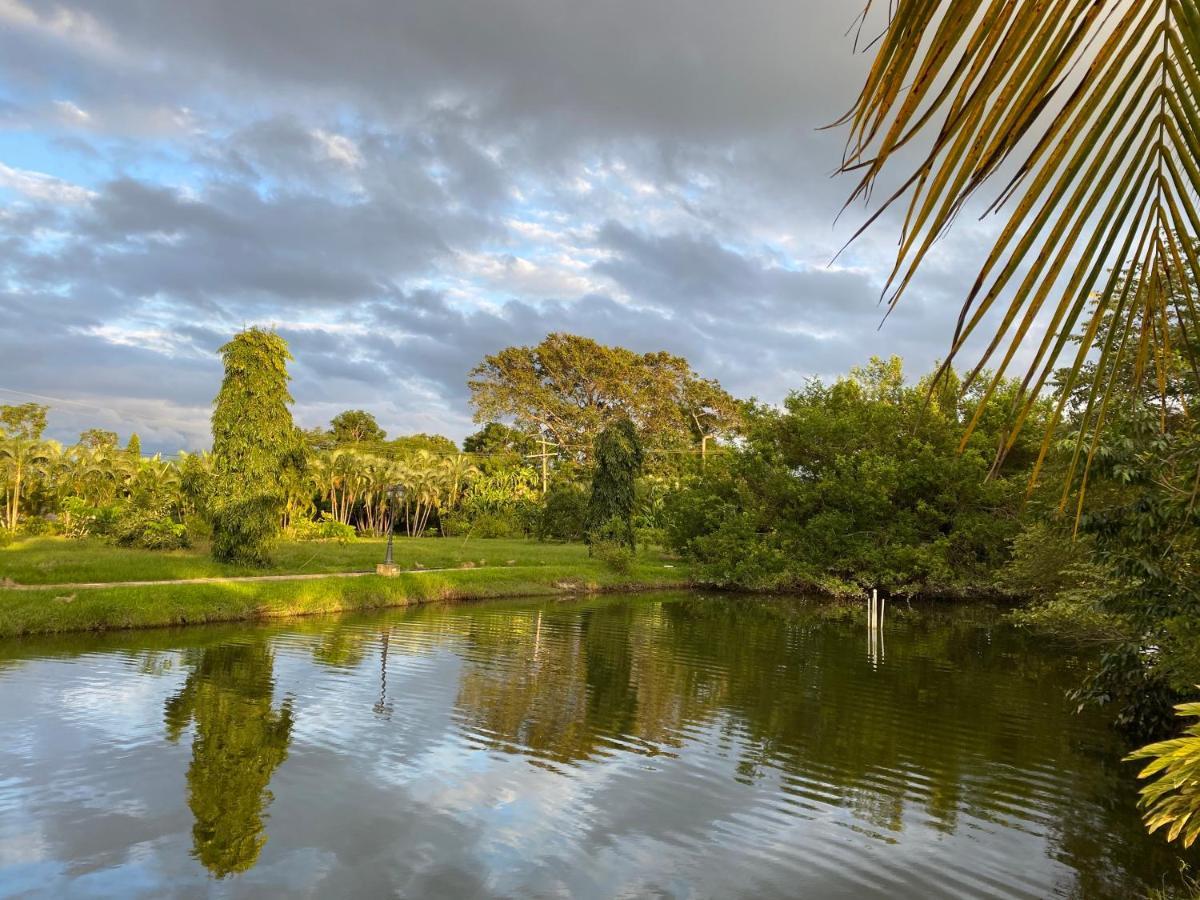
[{"x": 239, "y": 741}]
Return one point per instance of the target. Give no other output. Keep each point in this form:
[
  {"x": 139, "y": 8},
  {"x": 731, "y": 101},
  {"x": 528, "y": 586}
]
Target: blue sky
[{"x": 400, "y": 189}]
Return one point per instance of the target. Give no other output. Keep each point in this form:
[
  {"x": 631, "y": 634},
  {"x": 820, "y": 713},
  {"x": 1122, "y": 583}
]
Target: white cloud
[{"x": 43, "y": 187}]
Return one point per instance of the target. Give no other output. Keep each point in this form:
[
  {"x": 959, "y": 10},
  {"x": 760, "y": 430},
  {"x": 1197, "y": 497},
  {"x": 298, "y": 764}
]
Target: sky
[{"x": 400, "y": 188}]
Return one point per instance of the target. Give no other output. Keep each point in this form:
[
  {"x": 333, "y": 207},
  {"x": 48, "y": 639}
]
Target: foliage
[
  {"x": 485, "y": 523},
  {"x": 499, "y": 503},
  {"x": 859, "y": 484},
  {"x": 240, "y": 739},
  {"x": 734, "y": 554},
  {"x": 497, "y": 439},
  {"x": 608, "y": 547},
  {"x": 21, "y": 452},
  {"x": 326, "y": 528},
  {"x": 1171, "y": 800},
  {"x": 1065, "y": 590},
  {"x": 355, "y": 426},
  {"x": 563, "y": 513},
  {"x": 1088, "y": 116},
  {"x": 254, "y": 441},
  {"x": 407, "y": 445},
  {"x": 571, "y": 388},
  {"x": 25, "y": 421},
  {"x": 98, "y": 439},
  {"x": 150, "y": 530},
  {"x": 618, "y": 462}
]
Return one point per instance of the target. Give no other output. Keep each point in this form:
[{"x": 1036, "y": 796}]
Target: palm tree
[
  {"x": 20, "y": 455},
  {"x": 1086, "y": 114},
  {"x": 459, "y": 471}
]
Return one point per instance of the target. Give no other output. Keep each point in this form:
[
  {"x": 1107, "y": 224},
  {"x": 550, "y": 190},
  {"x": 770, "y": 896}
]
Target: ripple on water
[{"x": 680, "y": 745}]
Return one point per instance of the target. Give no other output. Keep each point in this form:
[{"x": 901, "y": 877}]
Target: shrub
[
  {"x": 615, "y": 555},
  {"x": 35, "y": 526},
  {"x": 508, "y": 523},
  {"x": 563, "y": 513},
  {"x": 735, "y": 556},
  {"x": 326, "y": 528},
  {"x": 149, "y": 529}
]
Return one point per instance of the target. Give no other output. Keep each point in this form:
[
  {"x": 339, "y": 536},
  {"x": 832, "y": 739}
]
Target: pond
[{"x": 666, "y": 745}]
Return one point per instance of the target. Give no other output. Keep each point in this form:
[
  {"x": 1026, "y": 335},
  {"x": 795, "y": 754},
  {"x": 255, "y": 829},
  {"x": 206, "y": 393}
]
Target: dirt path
[{"x": 230, "y": 579}]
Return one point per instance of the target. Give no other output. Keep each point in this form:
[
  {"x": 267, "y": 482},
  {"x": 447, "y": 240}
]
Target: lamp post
[{"x": 388, "y": 567}]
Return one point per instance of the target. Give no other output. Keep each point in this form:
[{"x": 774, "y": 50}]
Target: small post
[{"x": 388, "y": 566}]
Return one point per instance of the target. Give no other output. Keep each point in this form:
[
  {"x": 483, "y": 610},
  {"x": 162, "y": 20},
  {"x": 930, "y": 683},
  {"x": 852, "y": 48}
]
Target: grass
[
  {"x": 53, "y": 560},
  {"x": 499, "y": 568}
]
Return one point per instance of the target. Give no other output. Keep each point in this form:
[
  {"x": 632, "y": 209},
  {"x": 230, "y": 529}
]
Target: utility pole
[{"x": 544, "y": 456}]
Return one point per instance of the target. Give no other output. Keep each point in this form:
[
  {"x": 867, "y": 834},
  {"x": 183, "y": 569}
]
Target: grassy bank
[
  {"x": 50, "y": 560},
  {"x": 498, "y": 569}
]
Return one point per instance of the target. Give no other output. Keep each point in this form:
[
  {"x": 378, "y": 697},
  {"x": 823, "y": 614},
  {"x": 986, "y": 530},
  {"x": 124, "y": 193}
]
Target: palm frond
[{"x": 1084, "y": 116}]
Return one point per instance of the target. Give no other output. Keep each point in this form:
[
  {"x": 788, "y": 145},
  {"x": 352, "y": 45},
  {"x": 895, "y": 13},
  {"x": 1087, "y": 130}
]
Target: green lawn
[
  {"x": 535, "y": 569},
  {"x": 49, "y": 560},
  {"x": 480, "y": 568}
]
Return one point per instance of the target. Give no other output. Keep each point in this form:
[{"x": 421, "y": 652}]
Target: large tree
[
  {"x": 571, "y": 387},
  {"x": 254, "y": 442}
]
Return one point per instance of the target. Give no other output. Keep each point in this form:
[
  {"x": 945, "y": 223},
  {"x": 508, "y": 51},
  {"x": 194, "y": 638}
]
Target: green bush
[
  {"x": 326, "y": 528},
  {"x": 651, "y": 537},
  {"x": 615, "y": 555},
  {"x": 149, "y": 529},
  {"x": 510, "y": 523},
  {"x": 563, "y": 513},
  {"x": 34, "y": 526},
  {"x": 735, "y": 556}
]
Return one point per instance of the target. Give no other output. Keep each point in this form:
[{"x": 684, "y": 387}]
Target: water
[{"x": 671, "y": 745}]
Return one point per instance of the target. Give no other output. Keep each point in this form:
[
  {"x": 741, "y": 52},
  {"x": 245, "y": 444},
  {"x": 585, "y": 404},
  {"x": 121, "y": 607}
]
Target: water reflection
[
  {"x": 239, "y": 740},
  {"x": 678, "y": 745}
]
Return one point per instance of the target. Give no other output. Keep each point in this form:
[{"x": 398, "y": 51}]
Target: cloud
[
  {"x": 402, "y": 188},
  {"x": 42, "y": 187}
]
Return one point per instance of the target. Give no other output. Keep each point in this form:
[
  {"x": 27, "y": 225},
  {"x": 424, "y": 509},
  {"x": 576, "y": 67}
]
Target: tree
[
  {"x": 21, "y": 449},
  {"x": 356, "y": 426},
  {"x": 572, "y": 387},
  {"x": 254, "y": 441},
  {"x": 496, "y": 438},
  {"x": 98, "y": 439},
  {"x": 1088, "y": 116},
  {"x": 134, "y": 448},
  {"x": 240, "y": 739},
  {"x": 618, "y": 462},
  {"x": 858, "y": 484},
  {"x": 411, "y": 444}
]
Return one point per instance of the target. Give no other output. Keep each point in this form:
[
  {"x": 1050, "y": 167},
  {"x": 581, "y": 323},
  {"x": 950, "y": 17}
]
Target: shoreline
[{"x": 59, "y": 609}]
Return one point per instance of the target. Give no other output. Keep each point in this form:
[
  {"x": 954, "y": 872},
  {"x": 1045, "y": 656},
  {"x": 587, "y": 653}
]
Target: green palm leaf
[{"x": 1083, "y": 116}]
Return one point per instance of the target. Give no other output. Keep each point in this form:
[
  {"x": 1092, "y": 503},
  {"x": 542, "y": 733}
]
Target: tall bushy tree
[
  {"x": 254, "y": 441},
  {"x": 619, "y": 458}
]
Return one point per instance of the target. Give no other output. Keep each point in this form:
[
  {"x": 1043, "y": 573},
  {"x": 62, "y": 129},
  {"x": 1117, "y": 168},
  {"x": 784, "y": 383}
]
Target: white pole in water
[{"x": 882, "y": 606}]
